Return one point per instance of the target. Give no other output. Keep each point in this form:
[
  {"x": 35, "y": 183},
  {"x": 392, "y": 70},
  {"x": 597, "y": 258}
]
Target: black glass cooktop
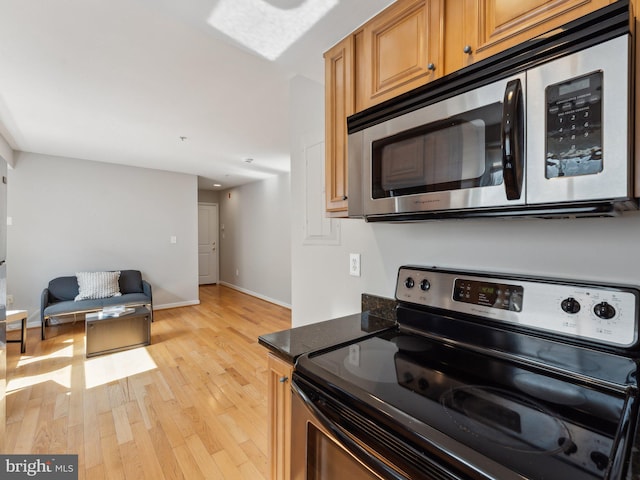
[{"x": 527, "y": 419}]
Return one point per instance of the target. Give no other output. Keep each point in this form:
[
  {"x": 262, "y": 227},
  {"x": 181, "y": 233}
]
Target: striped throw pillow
[{"x": 97, "y": 285}]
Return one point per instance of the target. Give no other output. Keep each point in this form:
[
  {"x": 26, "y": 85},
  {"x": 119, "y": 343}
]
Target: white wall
[
  {"x": 598, "y": 249},
  {"x": 208, "y": 196},
  {"x": 6, "y": 152},
  {"x": 72, "y": 215},
  {"x": 255, "y": 239}
]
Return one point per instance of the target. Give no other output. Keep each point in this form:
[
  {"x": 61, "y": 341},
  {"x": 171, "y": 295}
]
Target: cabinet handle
[
  {"x": 467, "y": 49},
  {"x": 431, "y": 67},
  {"x": 283, "y": 379},
  {"x": 344, "y": 197}
]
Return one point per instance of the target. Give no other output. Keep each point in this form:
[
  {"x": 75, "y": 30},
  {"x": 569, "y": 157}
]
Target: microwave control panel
[{"x": 574, "y": 127}]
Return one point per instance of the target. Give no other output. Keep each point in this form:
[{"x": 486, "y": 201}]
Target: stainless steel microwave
[{"x": 550, "y": 137}]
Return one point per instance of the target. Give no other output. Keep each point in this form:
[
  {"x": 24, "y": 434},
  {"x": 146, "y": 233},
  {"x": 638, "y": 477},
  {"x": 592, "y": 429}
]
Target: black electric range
[{"x": 489, "y": 376}]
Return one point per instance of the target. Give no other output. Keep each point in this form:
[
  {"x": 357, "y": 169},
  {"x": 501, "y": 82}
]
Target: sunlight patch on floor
[
  {"x": 115, "y": 366},
  {"x": 61, "y": 376},
  {"x": 66, "y": 352}
]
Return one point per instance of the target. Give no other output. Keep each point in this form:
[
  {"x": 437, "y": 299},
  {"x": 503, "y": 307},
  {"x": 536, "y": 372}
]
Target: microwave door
[
  {"x": 450, "y": 155},
  {"x": 578, "y": 130}
]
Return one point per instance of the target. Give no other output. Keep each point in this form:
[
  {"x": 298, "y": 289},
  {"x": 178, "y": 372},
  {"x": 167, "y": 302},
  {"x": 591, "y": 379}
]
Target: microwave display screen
[
  {"x": 574, "y": 127},
  {"x": 463, "y": 151}
]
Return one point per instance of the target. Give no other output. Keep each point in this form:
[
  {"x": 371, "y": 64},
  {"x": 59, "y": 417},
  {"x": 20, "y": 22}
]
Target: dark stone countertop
[{"x": 290, "y": 344}]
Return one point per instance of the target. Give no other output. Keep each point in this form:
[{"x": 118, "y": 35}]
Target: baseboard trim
[
  {"x": 176, "y": 305},
  {"x": 257, "y": 295}
]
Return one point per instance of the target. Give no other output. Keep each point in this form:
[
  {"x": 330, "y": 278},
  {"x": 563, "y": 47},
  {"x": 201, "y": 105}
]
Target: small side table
[
  {"x": 112, "y": 334},
  {"x": 14, "y": 316}
]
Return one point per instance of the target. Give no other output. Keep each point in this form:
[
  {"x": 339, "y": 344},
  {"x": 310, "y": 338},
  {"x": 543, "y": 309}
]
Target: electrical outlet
[
  {"x": 9, "y": 299},
  {"x": 354, "y": 264}
]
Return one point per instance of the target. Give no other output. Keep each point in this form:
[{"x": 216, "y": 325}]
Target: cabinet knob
[
  {"x": 283, "y": 379},
  {"x": 467, "y": 49},
  {"x": 431, "y": 67}
]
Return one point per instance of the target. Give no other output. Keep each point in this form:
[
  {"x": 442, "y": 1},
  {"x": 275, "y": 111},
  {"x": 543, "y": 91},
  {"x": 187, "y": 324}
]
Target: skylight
[{"x": 268, "y": 27}]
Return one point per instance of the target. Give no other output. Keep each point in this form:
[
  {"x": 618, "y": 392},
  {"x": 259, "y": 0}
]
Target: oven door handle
[
  {"x": 376, "y": 465},
  {"x": 512, "y": 140}
]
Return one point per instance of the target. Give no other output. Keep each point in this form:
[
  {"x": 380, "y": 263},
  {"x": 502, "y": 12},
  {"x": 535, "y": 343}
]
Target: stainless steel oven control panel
[{"x": 603, "y": 314}]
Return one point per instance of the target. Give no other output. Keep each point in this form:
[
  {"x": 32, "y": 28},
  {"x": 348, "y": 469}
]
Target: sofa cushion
[
  {"x": 130, "y": 281},
  {"x": 67, "y": 307},
  {"x": 97, "y": 285},
  {"x": 63, "y": 288}
]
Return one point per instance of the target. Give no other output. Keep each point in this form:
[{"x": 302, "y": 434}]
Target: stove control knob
[
  {"x": 570, "y": 305},
  {"x": 423, "y": 384},
  {"x": 567, "y": 445},
  {"x": 409, "y": 283},
  {"x": 425, "y": 285},
  {"x": 604, "y": 310},
  {"x": 600, "y": 459}
]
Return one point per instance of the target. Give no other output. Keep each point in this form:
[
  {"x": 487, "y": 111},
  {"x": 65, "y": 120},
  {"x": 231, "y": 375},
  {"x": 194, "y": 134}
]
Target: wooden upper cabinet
[
  {"x": 398, "y": 50},
  {"x": 339, "y": 104},
  {"x": 413, "y": 42},
  {"x": 477, "y": 29}
]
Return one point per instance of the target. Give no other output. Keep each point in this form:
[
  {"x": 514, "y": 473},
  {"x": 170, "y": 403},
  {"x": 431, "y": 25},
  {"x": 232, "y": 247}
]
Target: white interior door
[{"x": 208, "y": 267}]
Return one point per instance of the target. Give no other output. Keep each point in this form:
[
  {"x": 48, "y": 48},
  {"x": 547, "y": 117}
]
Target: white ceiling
[{"x": 122, "y": 81}]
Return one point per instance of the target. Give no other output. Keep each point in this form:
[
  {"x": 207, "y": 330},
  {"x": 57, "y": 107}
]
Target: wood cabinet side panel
[
  {"x": 339, "y": 104},
  {"x": 279, "y": 407}
]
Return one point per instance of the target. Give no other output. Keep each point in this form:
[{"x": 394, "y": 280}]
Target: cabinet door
[
  {"x": 339, "y": 104},
  {"x": 402, "y": 48},
  {"x": 279, "y": 418},
  {"x": 460, "y": 33},
  {"x": 490, "y": 26}
]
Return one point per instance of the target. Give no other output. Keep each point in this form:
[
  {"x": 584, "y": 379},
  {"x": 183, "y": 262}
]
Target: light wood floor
[{"x": 191, "y": 405}]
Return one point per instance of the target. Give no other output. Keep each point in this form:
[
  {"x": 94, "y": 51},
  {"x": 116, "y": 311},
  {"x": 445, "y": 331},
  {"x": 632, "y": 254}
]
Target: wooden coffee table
[{"x": 113, "y": 334}]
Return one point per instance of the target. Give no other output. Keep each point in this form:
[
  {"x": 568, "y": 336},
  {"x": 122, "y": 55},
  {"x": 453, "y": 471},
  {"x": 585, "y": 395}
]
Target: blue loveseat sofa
[{"x": 58, "y": 297}]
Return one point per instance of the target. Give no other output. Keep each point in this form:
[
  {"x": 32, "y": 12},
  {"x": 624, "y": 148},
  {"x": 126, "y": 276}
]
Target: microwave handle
[{"x": 512, "y": 136}]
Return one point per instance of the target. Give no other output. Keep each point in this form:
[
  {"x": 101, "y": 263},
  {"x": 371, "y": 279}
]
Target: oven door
[
  {"x": 330, "y": 440},
  {"x": 464, "y": 152},
  {"x": 319, "y": 454}
]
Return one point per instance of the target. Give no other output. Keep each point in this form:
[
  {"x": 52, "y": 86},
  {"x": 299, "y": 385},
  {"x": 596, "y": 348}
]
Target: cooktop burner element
[
  {"x": 487, "y": 372},
  {"x": 509, "y": 420}
]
